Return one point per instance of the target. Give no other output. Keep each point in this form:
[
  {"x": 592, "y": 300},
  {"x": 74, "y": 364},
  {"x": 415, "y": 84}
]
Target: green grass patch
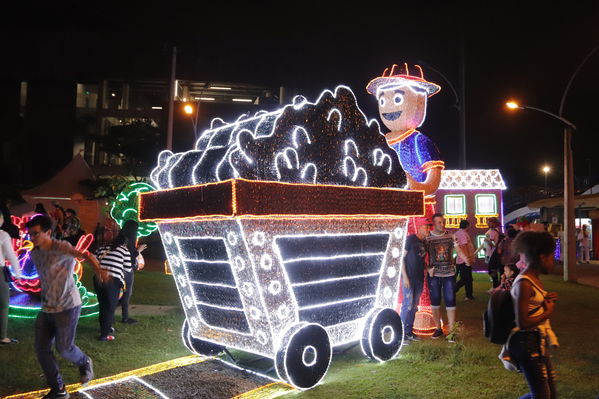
[
  {"x": 428, "y": 369},
  {"x": 149, "y": 288}
]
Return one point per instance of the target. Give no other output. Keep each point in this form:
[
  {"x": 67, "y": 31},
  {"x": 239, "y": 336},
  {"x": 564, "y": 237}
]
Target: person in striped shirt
[{"x": 115, "y": 258}]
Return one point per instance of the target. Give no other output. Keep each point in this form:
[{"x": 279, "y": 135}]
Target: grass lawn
[
  {"x": 152, "y": 340},
  {"x": 429, "y": 369}
]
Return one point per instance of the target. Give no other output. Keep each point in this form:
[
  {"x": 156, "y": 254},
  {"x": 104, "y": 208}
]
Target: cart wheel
[
  {"x": 383, "y": 334},
  {"x": 304, "y": 355},
  {"x": 198, "y": 346}
]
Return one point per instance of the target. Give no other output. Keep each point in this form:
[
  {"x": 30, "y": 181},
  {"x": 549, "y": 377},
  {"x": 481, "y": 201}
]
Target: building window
[
  {"x": 455, "y": 210},
  {"x": 479, "y": 240},
  {"x": 455, "y": 204},
  {"x": 486, "y": 207},
  {"x": 486, "y": 204}
]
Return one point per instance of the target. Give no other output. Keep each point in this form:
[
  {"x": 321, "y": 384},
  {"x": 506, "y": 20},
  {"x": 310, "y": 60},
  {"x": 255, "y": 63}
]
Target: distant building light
[
  {"x": 156, "y": 107},
  {"x": 205, "y": 98},
  {"x": 243, "y": 100},
  {"x": 53, "y": 198},
  {"x": 113, "y": 94},
  {"x": 220, "y": 88}
]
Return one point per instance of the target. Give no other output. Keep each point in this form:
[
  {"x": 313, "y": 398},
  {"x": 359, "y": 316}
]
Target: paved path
[
  {"x": 587, "y": 274},
  {"x": 189, "y": 377}
]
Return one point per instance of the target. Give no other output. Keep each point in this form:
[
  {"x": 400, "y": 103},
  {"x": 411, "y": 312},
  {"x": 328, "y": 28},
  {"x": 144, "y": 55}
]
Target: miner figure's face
[{"x": 402, "y": 107}]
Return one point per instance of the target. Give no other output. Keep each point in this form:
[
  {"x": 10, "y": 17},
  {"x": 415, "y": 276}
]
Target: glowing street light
[
  {"x": 568, "y": 243},
  {"x": 512, "y": 105},
  {"x": 188, "y": 109}
]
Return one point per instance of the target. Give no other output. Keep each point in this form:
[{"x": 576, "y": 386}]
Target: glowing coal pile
[{"x": 326, "y": 142}]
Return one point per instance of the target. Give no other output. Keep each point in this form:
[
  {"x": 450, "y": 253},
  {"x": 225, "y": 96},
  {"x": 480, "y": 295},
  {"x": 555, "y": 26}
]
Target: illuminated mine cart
[{"x": 286, "y": 271}]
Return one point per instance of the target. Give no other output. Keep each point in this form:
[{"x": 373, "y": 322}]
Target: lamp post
[
  {"x": 192, "y": 111},
  {"x": 460, "y": 102},
  {"x": 569, "y": 242},
  {"x": 546, "y": 170}
]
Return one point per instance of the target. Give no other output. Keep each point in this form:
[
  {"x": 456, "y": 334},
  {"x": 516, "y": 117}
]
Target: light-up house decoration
[
  {"x": 474, "y": 195},
  {"x": 285, "y": 233}
]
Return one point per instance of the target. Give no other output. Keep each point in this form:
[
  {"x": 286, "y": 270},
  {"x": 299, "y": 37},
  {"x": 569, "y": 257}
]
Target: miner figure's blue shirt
[{"x": 415, "y": 152}]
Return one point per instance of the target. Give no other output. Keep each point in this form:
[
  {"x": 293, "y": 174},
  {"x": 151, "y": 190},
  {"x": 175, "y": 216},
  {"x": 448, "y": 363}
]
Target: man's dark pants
[
  {"x": 59, "y": 328},
  {"x": 108, "y": 300},
  {"x": 129, "y": 277},
  {"x": 409, "y": 306},
  {"x": 465, "y": 280}
]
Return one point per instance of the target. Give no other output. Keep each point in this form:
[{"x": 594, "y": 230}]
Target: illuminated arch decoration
[
  {"x": 124, "y": 208},
  {"x": 285, "y": 233},
  {"x": 24, "y": 301}
]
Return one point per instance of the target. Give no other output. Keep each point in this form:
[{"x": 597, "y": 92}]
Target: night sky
[{"x": 521, "y": 50}]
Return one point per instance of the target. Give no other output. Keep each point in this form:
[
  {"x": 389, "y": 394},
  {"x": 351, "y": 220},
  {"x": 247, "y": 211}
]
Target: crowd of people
[
  {"x": 514, "y": 260},
  {"x": 514, "y": 263}
]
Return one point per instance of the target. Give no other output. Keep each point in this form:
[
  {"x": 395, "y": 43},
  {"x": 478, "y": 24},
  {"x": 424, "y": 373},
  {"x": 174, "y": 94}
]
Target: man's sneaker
[
  {"x": 112, "y": 330},
  {"x": 406, "y": 340},
  {"x": 106, "y": 338},
  {"x": 414, "y": 338},
  {"x": 129, "y": 321},
  {"x": 86, "y": 371},
  {"x": 57, "y": 393},
  {"x": 437, "y": 334}
]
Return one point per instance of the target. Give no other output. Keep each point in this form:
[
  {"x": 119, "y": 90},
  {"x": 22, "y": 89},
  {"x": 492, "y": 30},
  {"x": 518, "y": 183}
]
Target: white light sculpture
[{"x": 276, "y": 265}]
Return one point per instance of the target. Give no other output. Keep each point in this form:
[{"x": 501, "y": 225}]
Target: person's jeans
[
  {"x": 465, "y": 280},
  {"x": 442, "y": 286},
  {"x": 409, "y": 306},
  {"x": 127, "y": 295},
  {"x": 59, "y": 328},
  {"x": 525, "y": 351},
  {"x": 108, "y": 300},
  {"x": 4, "y": 304}
]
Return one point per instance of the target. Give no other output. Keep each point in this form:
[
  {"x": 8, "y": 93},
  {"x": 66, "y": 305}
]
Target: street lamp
[
  {"x": 569, "y": 241},
  {"x": 546, "y": 169},
  {"x": 192, "y": 112}
]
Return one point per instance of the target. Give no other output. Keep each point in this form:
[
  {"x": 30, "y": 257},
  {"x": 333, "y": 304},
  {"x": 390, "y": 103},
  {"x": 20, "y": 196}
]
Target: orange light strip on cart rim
[{"x": 277, "y": 216}]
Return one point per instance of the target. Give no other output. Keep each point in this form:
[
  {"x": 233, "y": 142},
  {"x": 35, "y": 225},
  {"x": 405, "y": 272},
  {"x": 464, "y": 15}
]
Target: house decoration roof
[{"x": 472, "y": 179}]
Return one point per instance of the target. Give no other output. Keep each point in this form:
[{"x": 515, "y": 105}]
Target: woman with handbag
[
  {"x": 531, "y": 340},
  {"x": 6, "y": 253}
]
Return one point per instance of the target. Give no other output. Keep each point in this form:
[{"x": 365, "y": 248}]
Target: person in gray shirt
[{"x": 61, "y": 304}]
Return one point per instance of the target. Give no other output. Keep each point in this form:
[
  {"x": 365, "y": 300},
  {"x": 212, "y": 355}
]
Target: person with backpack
[
  {"x": 489, "y": 245},
  {"x": 506, "y": 248},
  {"x": 520, "y": 320}
]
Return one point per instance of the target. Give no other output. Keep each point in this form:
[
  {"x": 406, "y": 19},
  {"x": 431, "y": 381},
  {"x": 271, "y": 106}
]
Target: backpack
[{"x": 499, "y": 319}]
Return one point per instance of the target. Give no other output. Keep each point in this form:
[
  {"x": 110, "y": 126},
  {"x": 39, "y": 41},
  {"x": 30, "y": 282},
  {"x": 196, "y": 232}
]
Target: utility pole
[{"x": 171, "y": 101}]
